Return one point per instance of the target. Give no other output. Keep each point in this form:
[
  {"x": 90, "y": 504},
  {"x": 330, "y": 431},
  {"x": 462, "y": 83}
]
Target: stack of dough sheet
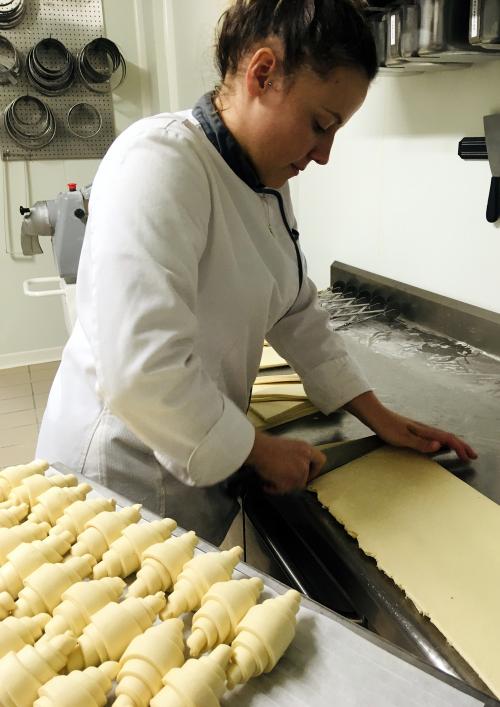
[
  {"x": 277, "y": 378},
  {"x": 278, "y": 391},
  {"x": 435, "y": 536},
  {"x": 271, "y": 359},
  {"x": 278, "y": 399},
  {"x": 272, "y": 413}
]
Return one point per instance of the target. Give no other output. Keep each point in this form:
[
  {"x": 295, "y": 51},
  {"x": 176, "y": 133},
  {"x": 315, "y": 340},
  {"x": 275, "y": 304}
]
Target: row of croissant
[{"x": 56, "y": 619}]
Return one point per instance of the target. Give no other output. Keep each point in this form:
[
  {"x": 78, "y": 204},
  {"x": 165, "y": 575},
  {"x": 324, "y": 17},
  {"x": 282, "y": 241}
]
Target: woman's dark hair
[{"x": 321, "y": 34}]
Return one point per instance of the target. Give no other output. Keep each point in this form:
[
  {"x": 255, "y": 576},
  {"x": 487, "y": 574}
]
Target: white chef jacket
[{"x": 186, "y": 267}]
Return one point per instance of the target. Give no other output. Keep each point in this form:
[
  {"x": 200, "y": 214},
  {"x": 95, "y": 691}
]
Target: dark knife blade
[{"x": 345, "y": 452}]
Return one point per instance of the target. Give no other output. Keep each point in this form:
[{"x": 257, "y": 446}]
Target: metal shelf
[{"x": 402, "y": 53}]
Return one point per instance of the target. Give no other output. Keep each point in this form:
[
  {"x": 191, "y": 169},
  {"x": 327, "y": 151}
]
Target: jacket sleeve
[
  {"x": 318, "y": 354},
  {"x": 147, "y": 230}
]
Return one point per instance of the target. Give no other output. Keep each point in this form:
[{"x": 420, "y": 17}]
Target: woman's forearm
[{"x": 367, "y": 408}]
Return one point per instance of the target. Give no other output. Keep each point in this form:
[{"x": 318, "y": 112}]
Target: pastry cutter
[
  {"x": 340, "y": 453},
  {"x": 337, "y": 454}
]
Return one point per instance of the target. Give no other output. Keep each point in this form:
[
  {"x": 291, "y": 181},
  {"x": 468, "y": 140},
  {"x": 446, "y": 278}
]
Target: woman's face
[{"x": 286, "y": 128}]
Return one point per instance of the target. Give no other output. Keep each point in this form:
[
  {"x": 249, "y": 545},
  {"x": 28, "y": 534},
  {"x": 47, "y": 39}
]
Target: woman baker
[{"x": 191, "y": 258}]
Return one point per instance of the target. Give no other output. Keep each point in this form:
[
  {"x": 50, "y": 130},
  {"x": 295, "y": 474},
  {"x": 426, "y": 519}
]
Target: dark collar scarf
[
  {"x": 205, "y": 113},
  {"x": 225, "y": 144}
]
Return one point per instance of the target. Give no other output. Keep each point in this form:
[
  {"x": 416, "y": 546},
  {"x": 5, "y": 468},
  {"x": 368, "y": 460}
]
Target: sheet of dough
[
  {"x": 265, "y": 415},
  {"x": 279, "y": 391},
  {"x": 271, "y": 410},
  {"x": 280, "y": 378},
  {"x": 256, "y": 421},
  {"x": 271, "y": 359},
  {"x": 435, "y": 536}
]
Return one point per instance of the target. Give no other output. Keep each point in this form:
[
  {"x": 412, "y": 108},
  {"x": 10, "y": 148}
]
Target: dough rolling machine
[
  {"x": 410, "y": 344},
  {"x": 64, "y": 220}
]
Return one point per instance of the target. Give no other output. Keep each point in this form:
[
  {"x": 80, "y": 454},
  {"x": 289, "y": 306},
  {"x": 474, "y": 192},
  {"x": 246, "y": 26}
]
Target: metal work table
[
  {"x": 332, "y": 661},
  {"x": 423, "y": 375}
]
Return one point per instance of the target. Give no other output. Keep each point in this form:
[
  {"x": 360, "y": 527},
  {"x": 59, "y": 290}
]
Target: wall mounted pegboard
[{"x": 75, "y": 23}]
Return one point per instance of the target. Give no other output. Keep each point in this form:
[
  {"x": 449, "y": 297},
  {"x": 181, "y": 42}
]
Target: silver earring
[{"x": 269, "y": 83}]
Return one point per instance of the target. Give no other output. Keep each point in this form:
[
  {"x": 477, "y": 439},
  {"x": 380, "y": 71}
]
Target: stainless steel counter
[{"x": 429, "y": 377}]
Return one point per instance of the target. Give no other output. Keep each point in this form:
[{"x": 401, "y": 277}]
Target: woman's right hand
[{"x": 284, "y": 464}]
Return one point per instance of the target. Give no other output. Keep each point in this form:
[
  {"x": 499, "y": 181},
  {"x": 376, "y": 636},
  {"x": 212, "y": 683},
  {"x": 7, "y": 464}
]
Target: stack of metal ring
[
  {"x": 97, "y": 62},
  {"x": 50, "y": 67},
  {"x": 10, "y": 62},
  {"x": 84, "y": 121},
  {"x": 30, "y": 122},
  {"x": 11, "y": 13}
]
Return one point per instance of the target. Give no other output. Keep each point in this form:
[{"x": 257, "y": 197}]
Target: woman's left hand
[{"x": 401, "y": 431}]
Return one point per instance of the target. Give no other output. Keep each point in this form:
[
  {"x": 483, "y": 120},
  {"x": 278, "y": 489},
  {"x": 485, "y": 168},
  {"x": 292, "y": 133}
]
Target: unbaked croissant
[
  {"x": 81, "y": 688},
  {"x": 22, "y": 674},
  {"x": 147, "y": 659},
  {"x": 32, "y": 487},
  {"x": 124, "y": 554},
  {"x": 10, "y": 538},
  {"x": 112, "y": 628},
  {"x": 162, "y": 563},
  {"x": 197, "y": 577},
  {"x": 12, "y": 476},
  {"x": 262, "y": 637},
  {"x": 103, "y": 529},
  {"x": 27, "y": 557},
  {"x": 50, "y": 504},
  {"x": 80, "y": 601},
  {"x": 79, "y": 513},
  {"x": 43, "y": 588},
  {"x": 199, "y": 683},
  {"x": 222, "y": 607},
  {"x": 16, "y": 633},
  {"x": 13, "y": 515}
]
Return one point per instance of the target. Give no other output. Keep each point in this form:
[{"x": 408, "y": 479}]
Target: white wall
[
  {"x": 191, "y": 47},
  {"x": 168, "y": 48},
  {"x": 397, "y": 200}
]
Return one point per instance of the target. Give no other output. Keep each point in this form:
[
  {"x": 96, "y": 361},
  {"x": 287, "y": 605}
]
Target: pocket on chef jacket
[{"x": 117, "y": 459}]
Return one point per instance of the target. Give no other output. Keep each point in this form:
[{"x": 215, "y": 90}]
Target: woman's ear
[{"x": 260, "y": 68}]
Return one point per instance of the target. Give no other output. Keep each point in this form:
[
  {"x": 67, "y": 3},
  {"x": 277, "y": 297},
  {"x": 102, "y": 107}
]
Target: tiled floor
[{"x": 23, "y": 396}]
